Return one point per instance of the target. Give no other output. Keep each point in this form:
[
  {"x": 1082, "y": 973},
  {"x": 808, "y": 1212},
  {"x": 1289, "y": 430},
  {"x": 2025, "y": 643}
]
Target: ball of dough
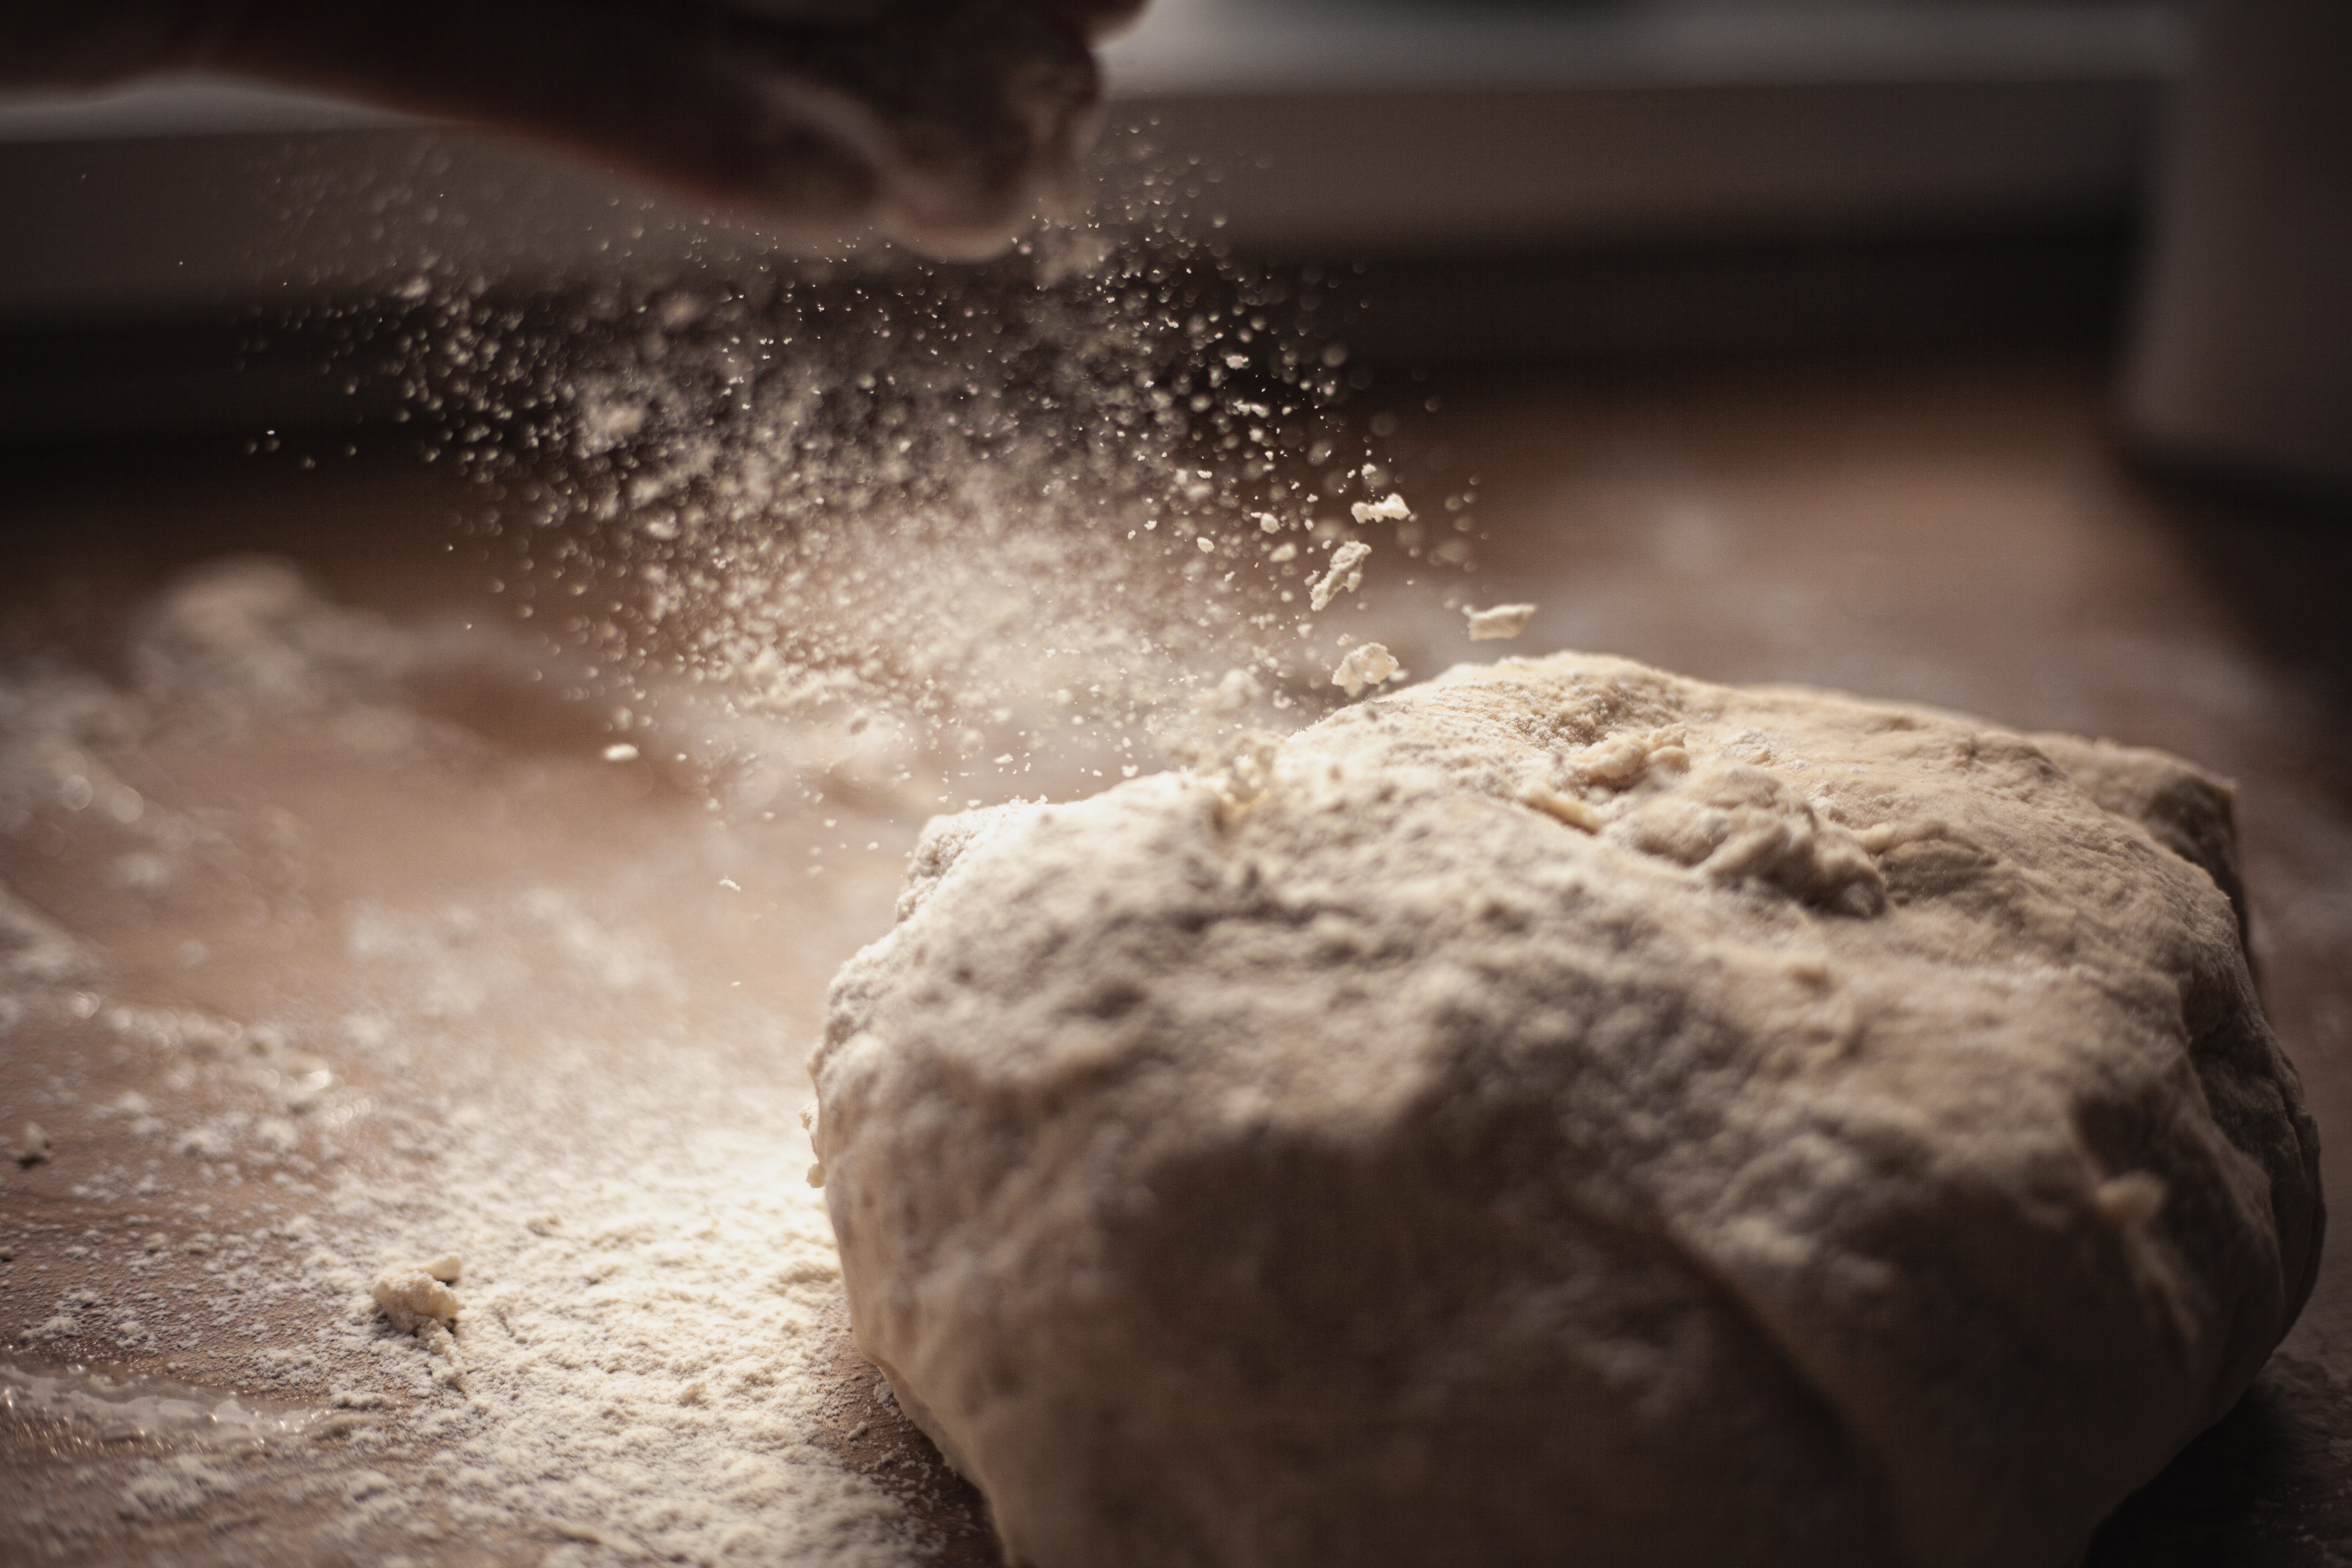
[{"x": 1566, "y": 1113}]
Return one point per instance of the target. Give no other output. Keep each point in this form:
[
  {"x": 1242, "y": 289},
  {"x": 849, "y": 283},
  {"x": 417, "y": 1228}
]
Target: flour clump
[
  {"x": 1572, "y": 1113},
  {"x": 1500, "y": 624},
  {"x": 1368, "y": 664},
  {"x": 1345, "y": 576},
  {"x": 416, "y": 1298}
]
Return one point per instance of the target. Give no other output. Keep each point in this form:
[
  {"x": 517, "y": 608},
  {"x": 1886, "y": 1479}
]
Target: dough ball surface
[{"x": 1566, "y": 1113}]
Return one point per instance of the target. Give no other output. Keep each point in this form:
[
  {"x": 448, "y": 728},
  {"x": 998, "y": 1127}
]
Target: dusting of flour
[
  {"x": 643, "y": 1349},
  {"x": 443, "y": 1094}
]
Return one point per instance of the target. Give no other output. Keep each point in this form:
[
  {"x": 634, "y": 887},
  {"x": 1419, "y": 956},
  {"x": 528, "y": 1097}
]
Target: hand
[{"x": 942, "y": 123}]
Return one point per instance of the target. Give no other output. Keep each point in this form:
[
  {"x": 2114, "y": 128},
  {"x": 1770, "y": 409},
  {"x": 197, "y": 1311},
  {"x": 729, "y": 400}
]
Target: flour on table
[
  {"x": 492, "y": 1072},
  {"x": 643, "y": 1336}
]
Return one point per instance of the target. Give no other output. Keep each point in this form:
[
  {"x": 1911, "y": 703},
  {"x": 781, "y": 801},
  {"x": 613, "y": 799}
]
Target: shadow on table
[
  {"x": 2281, "y": 561},
  {"x": 2264, "y": 1488}
]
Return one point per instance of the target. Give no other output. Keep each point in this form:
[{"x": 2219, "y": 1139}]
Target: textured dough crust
[{"x": 1572, "y": 1112}]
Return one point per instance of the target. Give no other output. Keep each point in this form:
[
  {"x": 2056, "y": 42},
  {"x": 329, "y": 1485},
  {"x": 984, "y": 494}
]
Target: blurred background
[
  {"x": 1520, "y": 180},
  {"x": 1583, "y": 177}
]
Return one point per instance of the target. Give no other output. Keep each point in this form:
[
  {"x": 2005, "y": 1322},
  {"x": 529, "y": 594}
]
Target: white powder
[
  {"x": 177, "y": 1488},
  {"x": 912, "y": 518},
  {"x": 1346, "y": 574},
  {"x": 541, "y": 1078},
  {"x": 1390, "y": 508},
  {"x": 645, "y": 1353},
  {"x": 1500, "y": 624},
  {"x": 34, "y": 948}
]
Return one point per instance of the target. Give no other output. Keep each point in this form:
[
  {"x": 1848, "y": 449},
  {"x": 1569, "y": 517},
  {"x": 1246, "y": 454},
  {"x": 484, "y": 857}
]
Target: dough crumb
[
  {"x": 413, "y": 1299},
  {"x": 1388, "y": 508},
  {"x": 1367, "y": 666},
  {"x": 1346, "y": 576},
  {"x": 32, "y": 1145},
  {"x": 1502, "y": 622},
  {"x": 1565, "y": 808},
  {"x": 1247, "y": 773},
  {"x": 1621, "y": 761}
]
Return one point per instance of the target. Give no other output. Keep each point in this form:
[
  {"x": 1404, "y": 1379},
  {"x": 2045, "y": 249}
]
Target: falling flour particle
[
  {"x": 32, "y": 1144},
  {"x": 1282, "y": 553},
  {"x": 1388, "y": 508},
  {"x": 1367, "y": 666},
  {"x": 1269, "y": 524},
  {"x": 1235, "y": 693},
  {"x": 1501, "y": 622},
  {"x": 622, "y": 752},
  {"x": 1347, "y": 574}
]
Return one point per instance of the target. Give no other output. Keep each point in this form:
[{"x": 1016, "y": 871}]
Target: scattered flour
[
  {"x": 178, "y": 1488},
  {"x": 34, "y": 948},
  {"x": 646, "y": 1354},
  {"x": 1390, "y": 508}
]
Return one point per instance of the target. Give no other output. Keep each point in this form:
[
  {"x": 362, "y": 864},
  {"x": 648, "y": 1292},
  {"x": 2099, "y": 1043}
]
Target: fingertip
[
  {"x": 1096, "y": 21},
  {"x": 813, "y": 181}
]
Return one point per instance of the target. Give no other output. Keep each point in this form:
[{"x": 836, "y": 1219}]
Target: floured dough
[{"x": 1570, "y": 1113}]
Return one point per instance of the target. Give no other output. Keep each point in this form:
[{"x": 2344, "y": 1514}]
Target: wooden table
[{"x": 1950, "y": 532}]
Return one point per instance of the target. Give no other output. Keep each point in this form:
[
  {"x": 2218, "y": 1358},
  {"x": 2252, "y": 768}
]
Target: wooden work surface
[{"x": 1951, "y": 533}]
